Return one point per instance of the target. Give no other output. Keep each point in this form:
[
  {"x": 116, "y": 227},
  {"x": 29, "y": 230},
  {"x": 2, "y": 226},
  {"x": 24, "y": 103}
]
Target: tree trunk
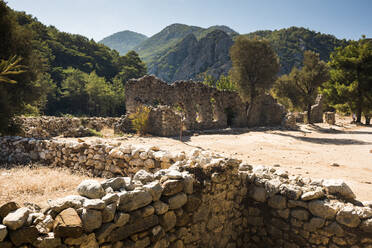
[
  {"x": 368, "y": 119},
  {"x": 360, "y": 100},
  {"x": 309, "y": 114}
]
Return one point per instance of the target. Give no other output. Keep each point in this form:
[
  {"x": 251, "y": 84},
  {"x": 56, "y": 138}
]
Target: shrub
[{"x": 140, "y": 119}]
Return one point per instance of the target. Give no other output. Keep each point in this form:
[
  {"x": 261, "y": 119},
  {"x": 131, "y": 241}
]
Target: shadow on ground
[{"x": 325, "y": 140}]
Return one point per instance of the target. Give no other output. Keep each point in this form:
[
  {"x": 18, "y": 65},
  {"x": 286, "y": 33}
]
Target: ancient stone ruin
[
  {"x": 155, "y": 198},
  {"x": 201, "y": 106}
]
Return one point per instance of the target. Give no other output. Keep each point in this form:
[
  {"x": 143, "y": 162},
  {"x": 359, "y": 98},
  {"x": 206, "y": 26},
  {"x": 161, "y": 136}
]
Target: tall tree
[
  {"x": 301, "y": 85},
  {"x": 255, "y": 66},
  {"x": 350, "y": 87}
]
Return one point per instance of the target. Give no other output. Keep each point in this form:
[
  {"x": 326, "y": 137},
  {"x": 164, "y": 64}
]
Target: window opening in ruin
[
  {"x": 214, "y": 109},
  {"x": 230, "y": 115},
  {"x": 199, "y": 117}
]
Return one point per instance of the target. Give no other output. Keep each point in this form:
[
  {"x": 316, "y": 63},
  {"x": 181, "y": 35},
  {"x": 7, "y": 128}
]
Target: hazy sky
[{"x": 98, "y": 18}]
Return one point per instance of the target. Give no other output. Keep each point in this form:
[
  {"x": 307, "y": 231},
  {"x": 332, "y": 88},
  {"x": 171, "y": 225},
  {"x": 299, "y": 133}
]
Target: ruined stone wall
[
  {"x": 204, "y": 107},
  {"x": 51, "y": 126},
  {"x": 198, "y": 200}
]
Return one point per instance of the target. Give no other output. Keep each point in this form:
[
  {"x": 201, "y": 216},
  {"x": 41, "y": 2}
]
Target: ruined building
[{"x": 201, "y": 107}]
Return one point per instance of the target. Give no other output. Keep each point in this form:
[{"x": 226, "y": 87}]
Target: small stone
[
  {"x": 24, "y": 235},
  {"x": 114, "y": 183},
  {"x": 160, "y": 207},
  {"x": 90, "y": 242},
  {"x": 133, "y": 200},
  {"x": 300, "y": 214},
  {"x": 91, "y": 189},
  {"x": 110, "y": 198},
  {"x": 278, "y": 202},
  {"x": 366, "y": 226},
  {"x": 94, "y": 204},
  {"x": 68, "y": 224},
  {"x": 177, "y": 201},
  {"x": 48, "y": 241},
  {"x": 338, "y": 187},
  {"x": 121, "y": 219},
  {"x": 258, "y": 194},
  {"x": 71, "y": 201},
  {"x": 245, "y": 167},
  {"x": 323, "y": 209},
  {"x": 335, "y": 165},
  {"x": 312, "y": 195},
  {"x": 16, "y": 219},
  {"x": 348, "y": 216},
  {"x": 172, "y": 187},
  {"x": 3, "y": 232},
  {"x": 108, "y": 213},
  {"x": 155, "y": 189},
  {"x": 92, "y": 219},
  {"x": 174, "y": 174},
  {"x": 168, "y": 220},
  {"x": 8, "y": 207},
  {"x": 143, "y": 176},
  {"x": 188, "y": 181}
]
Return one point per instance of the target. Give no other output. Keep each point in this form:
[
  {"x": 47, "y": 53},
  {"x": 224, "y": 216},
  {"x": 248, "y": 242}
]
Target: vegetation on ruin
[
  {"x": 255, "y": 66},
  {"x": 223, "y": 83},
  {"x": 300, "y": 87},
  {"x": 140, "y": 119},
  {"x": 350, "y": 87}
]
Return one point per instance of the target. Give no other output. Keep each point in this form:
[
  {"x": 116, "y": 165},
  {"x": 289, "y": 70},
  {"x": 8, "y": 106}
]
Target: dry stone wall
[
  {"x": 51, "y": 126},
  {"x": 198, "y": 199}
]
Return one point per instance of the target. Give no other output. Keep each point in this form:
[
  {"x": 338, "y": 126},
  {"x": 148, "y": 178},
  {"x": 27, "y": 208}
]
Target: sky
[{"x": 346, "y": 19}]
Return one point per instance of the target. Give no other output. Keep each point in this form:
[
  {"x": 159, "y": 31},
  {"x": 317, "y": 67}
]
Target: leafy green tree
[
  {"x": 255, "y": 66},
  {"x": 350, "y": 86},
  {"x": 10, "y": 67},
  {"x": 301, "y": 85}
]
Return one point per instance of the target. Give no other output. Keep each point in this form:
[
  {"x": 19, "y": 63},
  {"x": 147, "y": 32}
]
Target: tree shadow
[
  {"x": 326, "y": 140},
  {"x": 335, "y": 131}
]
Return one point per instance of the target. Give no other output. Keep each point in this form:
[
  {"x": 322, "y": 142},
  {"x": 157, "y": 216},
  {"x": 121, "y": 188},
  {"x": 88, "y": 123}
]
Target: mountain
[
  {"x": 123, "y": 41},
  {"x": 290, "y": 43},
  {"x": 187, "y": 52},
  {"x": 180, "y": 51}
]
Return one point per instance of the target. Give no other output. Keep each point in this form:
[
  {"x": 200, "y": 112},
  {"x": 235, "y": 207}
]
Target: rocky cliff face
[{"x": 190, "y": 58}]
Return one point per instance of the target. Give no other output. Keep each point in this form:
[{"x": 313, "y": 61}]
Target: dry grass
[{"x": 37, "y": 184}]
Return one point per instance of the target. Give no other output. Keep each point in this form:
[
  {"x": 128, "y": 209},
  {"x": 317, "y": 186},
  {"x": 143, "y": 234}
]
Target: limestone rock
[
  {"x": 3, "y": 232},
  {"x": 24, "y": 235},
  {"x": 300, "y": 214},
  {"x": 71, "y": 201},
  {"x": 278, "y": 202},
  {"x": 94, "y": 204},
  {"x": 48, "y": 241},
  {"x": 133, "y": 200},
  {"x": 114, "y": 183},
  {"x": 177, "y": 201},
  {"x": 90, "y": 242},
  {"x": 338, "y": 187},
  {"x": 172, "y": 187},
  {"x": 348, "y": 216},
  {"x": 16, "y": 219},
  {"x": 168, "y": 220},
  {"x": 92, "y": 219},
  {"x": 8, "y": 207},
  {"x": 108, "y": 213},
  {"x": 143, "y": 176},
  {"x": 188, "y": 181},
  {"x": 155, "y": 189},
  {"x": 323, "y": 209},
  {"x": 110, "y": 198},
  {"x": 366, "y": 226},
  {"x": 91, "y": 189},
  {"x": 258, "y": 194},
  {"x": 160, "y": 207},
  {"x": 312, "y": 195},
  {"x": 68, "y": 224}
]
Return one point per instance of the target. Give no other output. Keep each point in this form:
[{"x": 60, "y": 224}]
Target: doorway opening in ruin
[
  {"x": 214, "y": 110},
  {"x": 230, "y": 115},
  {"x": 199, "y": 117}
]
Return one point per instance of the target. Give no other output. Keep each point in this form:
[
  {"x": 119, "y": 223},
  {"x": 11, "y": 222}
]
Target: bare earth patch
[{"x": 36, "y": 184}]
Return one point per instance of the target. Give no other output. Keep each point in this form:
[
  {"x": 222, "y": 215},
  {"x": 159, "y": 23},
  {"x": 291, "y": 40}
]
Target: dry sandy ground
[{"x": 310, "y": 151}]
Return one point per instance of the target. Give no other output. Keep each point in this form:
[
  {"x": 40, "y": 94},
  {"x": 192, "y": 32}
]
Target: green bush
[{"x": 140, "y": 119}]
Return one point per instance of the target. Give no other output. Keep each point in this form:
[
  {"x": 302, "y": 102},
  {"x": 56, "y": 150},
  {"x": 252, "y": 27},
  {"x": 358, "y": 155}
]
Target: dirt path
[{"x": 312, "y": 151}]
